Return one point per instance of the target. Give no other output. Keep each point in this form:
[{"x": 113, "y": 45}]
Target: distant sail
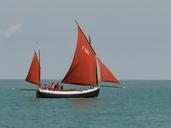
[
  {"x": 83, "y": 70},
  {"x": 34, "y": 72},
  {"x": 105, "y": 74}
]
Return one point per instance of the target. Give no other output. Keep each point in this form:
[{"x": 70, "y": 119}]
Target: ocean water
[{"x": 142, "y": 104}]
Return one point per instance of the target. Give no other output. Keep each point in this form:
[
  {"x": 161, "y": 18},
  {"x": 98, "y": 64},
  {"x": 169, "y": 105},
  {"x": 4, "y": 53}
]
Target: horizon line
[{"x": 120, "y": 79}]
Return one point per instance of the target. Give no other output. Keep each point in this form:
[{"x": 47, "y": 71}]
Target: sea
[{"x": 140, "y": 104}]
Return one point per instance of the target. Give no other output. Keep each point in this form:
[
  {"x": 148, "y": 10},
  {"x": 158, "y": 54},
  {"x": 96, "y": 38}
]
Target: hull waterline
[{"x": 88, "y": 93}]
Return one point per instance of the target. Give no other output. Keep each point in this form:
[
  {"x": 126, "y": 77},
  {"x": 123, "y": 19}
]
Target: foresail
[
  {"x": 83, "y": 70},
  {"x": 33, "y": 75},
  {"x": 105, "y": 74}
]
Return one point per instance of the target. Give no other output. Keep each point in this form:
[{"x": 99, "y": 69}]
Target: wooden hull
[{"x": 89, "y": 93}]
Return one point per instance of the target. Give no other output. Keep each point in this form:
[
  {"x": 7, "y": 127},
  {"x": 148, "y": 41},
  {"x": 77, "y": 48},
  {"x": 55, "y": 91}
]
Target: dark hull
[{"x": 84, "y": 95}]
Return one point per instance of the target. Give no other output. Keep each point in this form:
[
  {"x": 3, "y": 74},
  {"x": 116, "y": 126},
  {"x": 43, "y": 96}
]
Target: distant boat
[{"x": 83, "y": 72}]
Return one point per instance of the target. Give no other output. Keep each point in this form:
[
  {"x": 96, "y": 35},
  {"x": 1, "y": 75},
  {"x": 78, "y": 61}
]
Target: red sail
[
  {"x": 34, "y": 72},
  {"x": 83, "y": 70},
  {"x": 105, "y": 73}
]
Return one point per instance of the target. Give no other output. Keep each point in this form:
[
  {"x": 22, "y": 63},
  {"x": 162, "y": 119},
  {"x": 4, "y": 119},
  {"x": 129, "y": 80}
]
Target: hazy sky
[{"x": 132, "y": 37}]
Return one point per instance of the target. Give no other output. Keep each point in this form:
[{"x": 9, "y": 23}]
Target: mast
[
  {"x": 39, "y": 65},
  {"x": 37, "y": 43},
  {"x": 39, "y": 55},
  {"x": 89, "y": 38}
]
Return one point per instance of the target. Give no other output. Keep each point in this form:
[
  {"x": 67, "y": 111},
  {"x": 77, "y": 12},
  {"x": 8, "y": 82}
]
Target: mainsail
[
  {"x": 105, "y": 74},
  {"x": 34, "y": 71},
  {"x": 83, "y": 70}
]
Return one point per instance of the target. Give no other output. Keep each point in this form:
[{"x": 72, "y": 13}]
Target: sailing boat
[{"x": 83, "y": 72}]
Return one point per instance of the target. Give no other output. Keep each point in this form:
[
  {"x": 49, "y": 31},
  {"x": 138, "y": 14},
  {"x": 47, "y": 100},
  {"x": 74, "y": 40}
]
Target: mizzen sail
[
  {"x": 33, "y": 75},
  {"x": 105, "y": 74},
  {"x": 83, "y": 70}
]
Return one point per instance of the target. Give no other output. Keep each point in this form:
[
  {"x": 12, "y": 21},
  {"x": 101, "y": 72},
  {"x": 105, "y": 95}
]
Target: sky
[{"x": 132, "y": 38}]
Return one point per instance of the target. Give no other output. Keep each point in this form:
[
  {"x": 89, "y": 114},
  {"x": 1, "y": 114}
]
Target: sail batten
[
  {"x": 33, "y": 75},
  {"x": 105, "y": 74},
  {"x": 83, "y": 68}
]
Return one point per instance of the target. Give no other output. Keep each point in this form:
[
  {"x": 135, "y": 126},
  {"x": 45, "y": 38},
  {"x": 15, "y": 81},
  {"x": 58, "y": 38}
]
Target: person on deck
[
  {"x": 44, "y": 86},
  {"x": 52, "y": 86},
  {"x": 61, "y": 87},
  {"x": 49, "y": 86},
  {"x": 57, "y": 87}
]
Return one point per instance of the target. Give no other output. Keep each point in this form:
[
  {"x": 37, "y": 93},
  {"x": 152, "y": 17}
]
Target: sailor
[
  {"x": 61, "y": 87},
  {"x": 49, "y": 86},
  {"x": 52, "y": 85},
  {"x": 57, "y": 86},
  {"x": 44, "y": 86}
]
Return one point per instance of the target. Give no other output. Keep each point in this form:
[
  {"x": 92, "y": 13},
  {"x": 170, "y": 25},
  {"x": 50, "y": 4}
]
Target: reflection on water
[{"x": 82, "y": 102}]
